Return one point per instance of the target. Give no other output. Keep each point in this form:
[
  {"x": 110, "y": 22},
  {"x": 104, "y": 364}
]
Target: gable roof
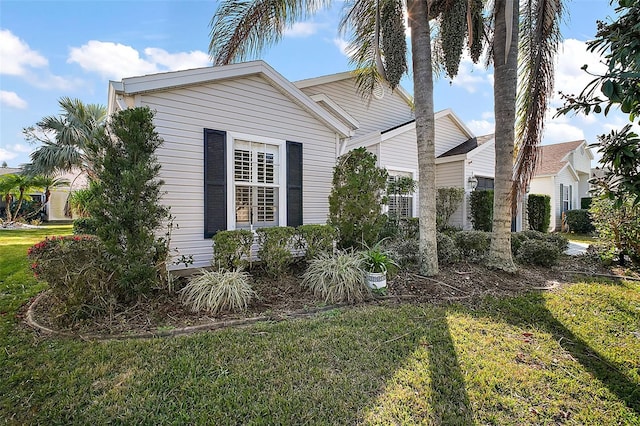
[
  {"x": 175, "y": 79},
  {"x": 464, "y": 148},
  {"x": 552, "y": 158},
  {"x": 316, "y": 81}
]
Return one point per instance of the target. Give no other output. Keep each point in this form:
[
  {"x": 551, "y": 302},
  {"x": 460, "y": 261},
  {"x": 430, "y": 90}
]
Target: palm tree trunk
[
  {"x": 19, "y": 204},
  {"x": 505, "y": 86},
  {"x": 7, "y": 206},
  {"x": 425, "y": 132}
]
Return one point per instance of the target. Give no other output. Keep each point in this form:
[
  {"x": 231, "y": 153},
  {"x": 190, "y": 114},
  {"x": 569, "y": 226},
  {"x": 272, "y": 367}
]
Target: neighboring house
[
  {"x": 563, "y": 173},
  {"x": 56, "y": 208},
  {"x": 246, "y": 148}
]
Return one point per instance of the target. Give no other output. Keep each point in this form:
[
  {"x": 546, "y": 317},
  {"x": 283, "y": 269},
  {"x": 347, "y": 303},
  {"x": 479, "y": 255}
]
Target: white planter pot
[{"x": 376, "y": 280}]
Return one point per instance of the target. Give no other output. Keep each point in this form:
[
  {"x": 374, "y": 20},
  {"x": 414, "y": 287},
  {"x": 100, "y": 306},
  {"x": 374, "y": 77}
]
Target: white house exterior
[
  {"x": 563, "y": 174},
  {"x": 246, "y": 148}
]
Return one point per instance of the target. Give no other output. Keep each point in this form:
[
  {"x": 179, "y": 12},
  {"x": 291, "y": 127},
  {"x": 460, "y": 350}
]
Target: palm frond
[
  {"x": 539, "y": 41},
  {"x": 244, "y": 28}
]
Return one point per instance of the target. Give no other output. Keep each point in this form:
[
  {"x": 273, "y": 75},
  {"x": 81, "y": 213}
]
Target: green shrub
[
  {"x": 275, "y": 249},
  {"x": 408, "y": 227},
  {"x": 337, "y": 278},
  {"x": 539, "y": 212},
  {"x": 448, "y": 252},
  {"x": 232, "y": 249},
  {"x": 558, "y": 240},
  {"x": 75, "y": 269},
  {"x": 356, "y": 198},
  {"x": 84, "y": 226},
  {"x": 405, "y": 251},
  {"x": 448, "y": 200},
  {"x": 538, "y": 252},
  {"x": 218, "y": 291},
  {"x": 316, "y": 239},
  {"x": 481, "y": 210},
  {"x": 80, "y": 199},
  {"x": 579, "y": 221},
  {"x": 585, "y": 203},
  {"x": 518, "y": 238},
  {"x": 618, "y": 227},
  {"x": 376, "y": 259},
  {"x": 473, "y": 245},
  {"x": 126, "y": 206}
]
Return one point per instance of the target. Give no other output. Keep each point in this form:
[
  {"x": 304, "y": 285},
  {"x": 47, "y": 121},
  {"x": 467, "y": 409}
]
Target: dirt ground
[{"x": 278, "y": 299}]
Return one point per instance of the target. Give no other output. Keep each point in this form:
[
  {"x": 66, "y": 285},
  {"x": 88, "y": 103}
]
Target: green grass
[
  {"x": 581, "y": 238},
  {"x": 409, "y": 364}
]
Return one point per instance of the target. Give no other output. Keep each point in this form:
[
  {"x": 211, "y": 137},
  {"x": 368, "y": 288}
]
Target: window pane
[
  {"x": 243, "y": 205},
  {"x": 242, "y": 165},
  {"x": 267, "y": 204},
  {"x": 266, "y": 170}
]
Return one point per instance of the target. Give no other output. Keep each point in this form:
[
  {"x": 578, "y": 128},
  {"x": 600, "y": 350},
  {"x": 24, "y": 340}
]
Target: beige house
[
  {"x": 563, "y": 174},
  {"x": 246, "y": 148}
]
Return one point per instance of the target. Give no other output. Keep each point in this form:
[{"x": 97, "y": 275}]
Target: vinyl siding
[
  {"x": 448, "y": 135},
  {"x": 372, "y": 114},
  {"x": 565, "y": 177},
  {"x": 248, "y": 105},
  {"x": 546, "y": 186},
  {"x": 450, "y": 175}
]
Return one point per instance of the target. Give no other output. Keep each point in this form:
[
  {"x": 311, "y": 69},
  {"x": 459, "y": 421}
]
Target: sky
[{"x": 51, "y": 49}]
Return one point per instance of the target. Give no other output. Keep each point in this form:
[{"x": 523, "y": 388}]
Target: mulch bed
[{"x": 284, "y": 298}]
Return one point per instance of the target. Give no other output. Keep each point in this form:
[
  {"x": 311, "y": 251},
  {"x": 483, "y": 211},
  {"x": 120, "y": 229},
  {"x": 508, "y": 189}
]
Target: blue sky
[{"x": 50, "y": 49}]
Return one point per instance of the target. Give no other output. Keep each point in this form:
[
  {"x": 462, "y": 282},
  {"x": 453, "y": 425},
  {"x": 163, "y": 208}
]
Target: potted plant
[{"x": 376, "y": 265}]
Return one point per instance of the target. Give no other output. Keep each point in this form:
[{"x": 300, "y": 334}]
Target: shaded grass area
[{"x": 566, "y": 357}]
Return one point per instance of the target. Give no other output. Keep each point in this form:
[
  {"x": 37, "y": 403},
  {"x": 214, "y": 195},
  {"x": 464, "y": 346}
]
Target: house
[
  {"x": 563, "y": 173},
  {"x": 246, "y": 148}
]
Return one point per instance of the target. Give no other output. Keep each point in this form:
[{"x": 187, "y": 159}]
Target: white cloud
[
  {"x": 16, "y": 56},
  {"x": 7, "y": 155},
  {"x": 110, "y": 60},
  {"x": 115, "y": 61},
  {"x": 12, "y": 99},
  {"x": 343, "y": 45},
  {"x": 488, "y": 115},
  {"x": 177, "y": 61},
  {"x": 470, "y": 76},
  {"x": 25, "y": 149},
  {"x": 556, "y": 132},
  {"x": 302, "y": 29},
  {"x": 481, "y": 127}
]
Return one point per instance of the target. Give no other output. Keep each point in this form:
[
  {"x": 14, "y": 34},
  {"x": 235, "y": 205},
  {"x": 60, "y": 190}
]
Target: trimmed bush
[
  {"x": 337, "y": 278},
  {"x": 538, "y": 252},
  {"x": 579, "y": 221},
  {"x": 232, "y": 249},
  {"x": 448, "y": 200},
  {"x": 585, "y": 203},
  {"x": 473, "y": 245},
  {"x": 405, "y": 251},
  {"x": 275, "y": 249},
  {"x": 518, "y": 238},
  {"x": 316, "y": 239},
  {"x": 539, "y": 212},
  {"x": 448, "y": 252},
  {"x": 218, "y": 291},
  {"x": 84, "y": 226},
  {"x": 74, "y": 267},
  {"x": 481, "y": 210},
  {"x": 356, "y": 198}
]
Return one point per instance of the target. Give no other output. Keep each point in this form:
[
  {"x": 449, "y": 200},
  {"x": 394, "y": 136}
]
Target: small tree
[
  {"x": 447, "y": 202},
  {"x": 356, "y": 198},
  {"x": 481, "y": 206},
  {"x": 618, "y": 227},
  {"x": 126, "y": 206},
  {"x": 539, "y": 212}
]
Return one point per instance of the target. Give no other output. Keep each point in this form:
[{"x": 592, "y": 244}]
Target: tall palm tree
[
  {"x": 8, "y": 190},
  {"x": 68, "y": 140},
  {"x": 526, "y": 39},
  {"x": 243, "y": 28}
]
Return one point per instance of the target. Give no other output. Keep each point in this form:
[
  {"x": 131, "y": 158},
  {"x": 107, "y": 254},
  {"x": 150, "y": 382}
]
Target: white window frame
[
  {"x": 232, "y": 137},
  {"x": 567, "y": 188},
  {"x": 414, "y": 202}
]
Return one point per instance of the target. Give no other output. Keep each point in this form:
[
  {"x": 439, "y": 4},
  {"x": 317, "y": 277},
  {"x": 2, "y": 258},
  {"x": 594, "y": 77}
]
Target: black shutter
[
  {"x": 215, "y": 182},
  {"x": 294, "y": 183}
]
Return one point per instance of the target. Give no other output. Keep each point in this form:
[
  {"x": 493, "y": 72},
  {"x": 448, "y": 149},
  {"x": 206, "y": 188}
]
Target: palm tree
[
  {"x": 68, "y": 140},
  {"x": 242, "y": 28},
  {"x": 530, "y": 60},
  {"x": 8, "y": 189}
]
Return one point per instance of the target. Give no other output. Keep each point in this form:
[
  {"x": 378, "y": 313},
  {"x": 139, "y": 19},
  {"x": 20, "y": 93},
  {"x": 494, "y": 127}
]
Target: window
[
  {"x": 566, "y": 197},
  {"x": 256, "y": 181},
  {"x": 400, "y": 194},
  {"x": 484, "y": 184},
  {"x": 250, "y": 182}
]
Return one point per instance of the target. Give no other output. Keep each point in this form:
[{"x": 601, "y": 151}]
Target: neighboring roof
[
  {"x": 169, "y": 80},
  {"x": 316, "y": 81},
  {"x": 552, "y": 158},
  {"x": 464, "y": 148},
  {"x": 485, "y": 138},
  {"x": 9, "y": 170}
]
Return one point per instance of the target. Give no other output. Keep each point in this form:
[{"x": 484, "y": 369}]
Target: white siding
[
  {"x": 580, "y": 160},
  {"x": 451, "y": 175},
  {"x": 400, "y": 152},
  {"x": 566, "y": 178},
  {"x": 248, "y": 105},
  {"x": 448, "y": 135},
  {"x": 372, "y": 114}
]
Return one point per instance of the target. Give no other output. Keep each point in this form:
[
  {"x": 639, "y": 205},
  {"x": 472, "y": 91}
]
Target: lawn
[{"x": 567, "y": 357}]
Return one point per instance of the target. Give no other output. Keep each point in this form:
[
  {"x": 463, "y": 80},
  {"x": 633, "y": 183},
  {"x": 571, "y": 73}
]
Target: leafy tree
[
  {"x": 356, "y": 198},
  {"x": 618, "y": 87},
  {"x": 126, "y": 208},
  {"x": 67, "y": 140}
]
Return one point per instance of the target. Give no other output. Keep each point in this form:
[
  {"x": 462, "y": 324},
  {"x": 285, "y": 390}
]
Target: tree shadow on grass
[{"x": 533, "y": 311}]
